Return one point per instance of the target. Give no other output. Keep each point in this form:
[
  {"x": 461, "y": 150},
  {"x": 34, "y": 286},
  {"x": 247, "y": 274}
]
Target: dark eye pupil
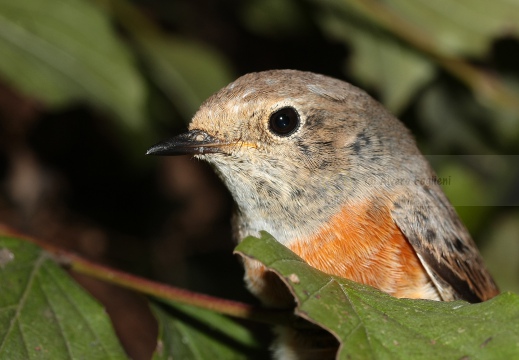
[{"x": 284, "y": 121}]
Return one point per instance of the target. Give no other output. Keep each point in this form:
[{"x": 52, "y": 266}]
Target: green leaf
[
  {"x": 501, "y": 250},
  {"x": 64, "y": 51},
  {"x": 450, "y": 117},
  {"x": 275, "y": 18},
  {"x": 379, "y": 33},
  {"x": 187, "y": 332},
  {"x": 187, "y": 72},
  {"x": 44, "y": 314},
  {"x": 462, "y": 27},
  {"x": 466, "y": 190},
  {"x": 371, "y": 324},
  {"x": 379, "y": 61}
]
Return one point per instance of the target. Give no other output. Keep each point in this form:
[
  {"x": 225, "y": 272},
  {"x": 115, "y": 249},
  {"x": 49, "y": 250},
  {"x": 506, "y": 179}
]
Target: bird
[{"x": 335, "y": 177}]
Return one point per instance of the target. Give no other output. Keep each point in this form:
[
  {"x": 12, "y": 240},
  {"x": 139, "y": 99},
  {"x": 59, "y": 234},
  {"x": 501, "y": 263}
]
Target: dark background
[{"x": 74, "y": 173}]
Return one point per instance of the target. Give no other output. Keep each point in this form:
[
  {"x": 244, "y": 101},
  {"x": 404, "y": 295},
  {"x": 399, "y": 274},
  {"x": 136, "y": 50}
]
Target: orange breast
[{"x": 362, "y": 243}]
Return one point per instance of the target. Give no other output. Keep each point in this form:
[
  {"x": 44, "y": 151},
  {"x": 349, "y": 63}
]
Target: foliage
[
  {"x": 62, "y": 52},
  {"x": 372, "y": 325},
  {"x": 46, "y": 315},
  {"x": 193, "y": 333},
  {"x": 450, "y": 70}
]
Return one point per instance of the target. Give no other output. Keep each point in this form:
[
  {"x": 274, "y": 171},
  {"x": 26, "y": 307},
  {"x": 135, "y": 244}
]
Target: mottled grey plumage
[{"x": 340, "y": 189}]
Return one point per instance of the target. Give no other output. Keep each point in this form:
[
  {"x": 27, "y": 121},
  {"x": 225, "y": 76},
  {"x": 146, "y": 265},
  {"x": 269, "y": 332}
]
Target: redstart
[{"x": 336, "y": 178}]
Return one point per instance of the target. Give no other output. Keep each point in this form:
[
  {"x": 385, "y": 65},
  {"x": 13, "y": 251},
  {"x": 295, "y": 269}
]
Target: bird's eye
[{"x": 284, "y": 122}]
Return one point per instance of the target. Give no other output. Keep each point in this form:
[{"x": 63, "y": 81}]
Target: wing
[{"x": 445, "y": 248}]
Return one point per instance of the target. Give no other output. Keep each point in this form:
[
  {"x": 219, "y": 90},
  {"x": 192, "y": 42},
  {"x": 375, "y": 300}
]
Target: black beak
[{"x": 193, "y": 142}]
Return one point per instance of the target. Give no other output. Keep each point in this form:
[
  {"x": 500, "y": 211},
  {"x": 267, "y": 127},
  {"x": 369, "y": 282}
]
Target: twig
[
  {"x": 158, "y": 290},
  {"x": 165, "y": 292}
]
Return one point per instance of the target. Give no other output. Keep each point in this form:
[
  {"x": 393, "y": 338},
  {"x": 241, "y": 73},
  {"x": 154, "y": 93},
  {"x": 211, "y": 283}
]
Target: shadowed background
[{"x": 87, "y": 86}]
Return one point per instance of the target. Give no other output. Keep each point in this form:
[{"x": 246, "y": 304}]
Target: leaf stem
[
  {"x": 158, "y": 290},
  {"x": 169, "y": 293}
]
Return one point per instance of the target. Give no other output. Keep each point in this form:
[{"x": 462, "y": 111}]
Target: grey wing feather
[{"x": 443, "y": 245}]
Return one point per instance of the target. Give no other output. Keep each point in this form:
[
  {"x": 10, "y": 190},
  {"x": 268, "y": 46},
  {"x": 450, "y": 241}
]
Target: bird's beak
[{"x": 193, "y": 142}]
